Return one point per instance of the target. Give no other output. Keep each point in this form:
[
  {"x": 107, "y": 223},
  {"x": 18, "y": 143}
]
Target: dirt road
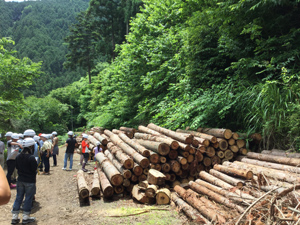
[{"x": 57, "y": 203}]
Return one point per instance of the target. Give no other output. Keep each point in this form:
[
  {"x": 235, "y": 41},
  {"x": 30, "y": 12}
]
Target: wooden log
[
  {"x": 110, "y": 170},
  {"x": 168, "y": 176},
  {"x": 172, "y": 134},
  {"x": 281, "y": 153},
  {"x": 173, "y": 154},
  {"x": 148, "y": 131},
  {"x": 95, "y": 190},
  {"x": 123, "y": 158},
  {"x": 202, "y": 149},
  {"x": 163, "y": 159},
  {"x": 219, "y": 133},
  {"x": 175, "y": 166},
  {"x": 220, "y": 154},
  {"x": 142, "y": 177},
  {"x": 125, "y": 172},
  {"x": 119, "y": 189},
  {"x": 210, "y": 151},
  {"x": 179, "y": 172},
  {"x": 106, "y": 137},
  {"x": 134, "y": 178},
  {"x": 156, "y": 177},
  {"x": 211, "y": 138},
  {"x": 83, "y": 190},
  {"x": 195, "y": 143},
  {"x": 185, "y": 166},
  {"x": 137, "y": 169},
  {"x": 141, "y": 160},
  {"x": 128, "y": 129},
  {"x": 166, "y": 167},
  {"x": 234, "y": 148},
  {"x": 106, "y": 187},
  {"x": 192, "y": 151},
  {"x": 243, "y": 151},
  {"x": 215, "y": 160},
  {"x": 235, "y": 136},
  {"x": 139, "y": 148},
  {"x": 193, "y": 200},
  {"x": 199, "y": 156},
  {"x": 246, "y": 174},
  {"x": 146, "y": 171},
  {"x": 172, "y": 177},
  {"x": 158, "y": 147},
  {"x": 275, "y": 174},
  {"x": 126, "y": 183},
  {"x": 163, "y": 196},
  {"x": 175, "y": 183},
  {"x": 233, "y": 181},
  {"x": 276, "y": 166},
  {"x": 190, "y": 158},
  {"x": 158, "y": 167},
  {"x": 207, "y": 161},
  {"x": 129, "y": 188},
  {"x": 199, "y": 168},
  {"x": 184, "y": 153},
  {"x": 240, "y": 143},
  {"x": 154, "y": 157},
  {"x": 144, "y": 184},
  {"x": 274, "y": 159},
  {"x": 218, "y": 182},
  {"x": 191, "y": 213},
  {"x": 223, "y": 144},
  {"x": 100, "y": 138},
  {"x": 128, "y": 134},
  {"x": 228, "y": 154},
  {"x": 215, "y": 196},
  {"x": 151, "y": 190},
  {"x": 231, "y": 141},
  {"x": 202, "y": 141},
  {"x": 140, "y": 196},
  {"x": 92, "y": 140},
  {"x": 215, "y": 145},
  {"x": 182, "y": 160}
]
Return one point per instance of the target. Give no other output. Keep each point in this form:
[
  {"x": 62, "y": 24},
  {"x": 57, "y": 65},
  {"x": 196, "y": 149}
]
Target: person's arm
[{"x": 4, "y": 188}]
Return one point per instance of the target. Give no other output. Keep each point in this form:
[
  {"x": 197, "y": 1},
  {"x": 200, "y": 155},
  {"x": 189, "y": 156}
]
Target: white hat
[
  {"x": 98, "y": 143},
  {"x": 36, "y": 138},
  {"x": 15, "y": 136},
  {"x": 8, "y": 134},
  {"x": 44, "y": 136},
  {"x": 85, "y": 135},
  {"x": 54, "y": 133},
  {"x": 21, "y": 135},
  {"x": 29, "y": 133},
  {"x": 27, "y": 142},
  {"x": 70, "y": 133}
]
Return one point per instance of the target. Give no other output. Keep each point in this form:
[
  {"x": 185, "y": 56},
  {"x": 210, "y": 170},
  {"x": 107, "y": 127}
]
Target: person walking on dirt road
[
  {"x": 70, "y": 144},
  {"x": 55, "y": 147},
  {"x": 26, "y": 184}
]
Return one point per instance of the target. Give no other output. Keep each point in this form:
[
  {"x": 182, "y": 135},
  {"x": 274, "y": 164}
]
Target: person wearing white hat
[
  {"x": 70, "y": 144},
  {"x": 2, "y": 148},
  {"x": 45, "y": 151},
  {"x": 26, "y": 184},
  {"x": 85, "y": 151},
  {"x": 12, "y": 152},
  {"x": 55, "y": 150}
]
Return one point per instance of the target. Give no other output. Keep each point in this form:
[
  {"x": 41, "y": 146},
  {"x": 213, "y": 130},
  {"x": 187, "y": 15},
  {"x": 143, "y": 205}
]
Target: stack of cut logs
[
  {"x": 255, "y": 189},
  {"x": 129, "y": 154}
]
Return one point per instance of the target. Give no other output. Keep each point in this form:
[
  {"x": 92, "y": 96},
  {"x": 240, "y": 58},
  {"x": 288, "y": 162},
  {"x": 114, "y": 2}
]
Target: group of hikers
[{"x": 27, "y": 155}]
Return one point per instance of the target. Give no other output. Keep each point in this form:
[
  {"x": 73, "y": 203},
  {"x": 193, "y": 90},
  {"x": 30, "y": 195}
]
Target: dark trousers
[
  {"x": 46, "y": 162},
  {"x": 11, "y": 165},
  {"x": 54, "y": 160}
]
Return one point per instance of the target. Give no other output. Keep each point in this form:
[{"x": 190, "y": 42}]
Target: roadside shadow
[{"x": 36, "y": 207}]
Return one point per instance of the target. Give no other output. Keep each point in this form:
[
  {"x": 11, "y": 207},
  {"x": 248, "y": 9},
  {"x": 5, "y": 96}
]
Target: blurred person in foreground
[{"x": 4, "y": 188}]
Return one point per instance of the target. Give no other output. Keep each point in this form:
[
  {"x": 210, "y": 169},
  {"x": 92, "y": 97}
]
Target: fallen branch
[{"x": 138, "y": 213}]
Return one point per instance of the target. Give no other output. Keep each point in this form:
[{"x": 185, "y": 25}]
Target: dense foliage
[{"x": 196, "y": 63}]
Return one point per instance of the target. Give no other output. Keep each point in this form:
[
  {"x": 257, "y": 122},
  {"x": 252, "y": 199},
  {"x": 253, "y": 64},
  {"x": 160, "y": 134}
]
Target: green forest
[{"x": 177, "y": 63}]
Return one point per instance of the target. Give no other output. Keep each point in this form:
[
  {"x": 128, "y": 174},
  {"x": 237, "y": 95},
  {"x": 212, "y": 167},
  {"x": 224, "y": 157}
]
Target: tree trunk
[
  {"x": 202, "y": 141},
  {"x": 126, "y": 183},
  {"x": 235, "y": 136},
  {"x": 243, "y": 151},
  {"x": 274, "y": 159},
  {"x": 139, "y": 148},
  {"x": 166, "y": 167},
  {"x": 119, "y": 189},
  {"x": 215, "y": 196},
  {"x": 83, "y": 190},
  {"x": 158, "y": 147},
  {"x": 110, "y": 170},
  {"x": 228, "y": 154},
  {"x": 281, "y": 153},
  {"x": 172, "y": 143},
  {"x": 210, "y": 151},
  {"x": 123, "y": 158},
  {"x": 151, "y": 190},
  {"x": 207, "y": 161},
  {"x": 182, "y": 160},
  {"x": 226, "y": 178},
  {"x": 141, "y": 160},
  {"x": 126, "y": 173},
  {"x": 199, "y": 156},
  {"x": 148, "y": 131},
  {"x": 175, "y": 166},
  {"x": 173, "y": 154},
  {"x": 276, "y": 166},
  {"x": 234, "y": 148},
  {"x": 106, "y": 187},
  {"x": 140, "y": 196},
  {"x": 211, "y": 138},
  {"x": 93, "y": 140},
  {"x": 231, "y": 141},
  {"x": 192, "y": 199},
  {"x": 137, "y": 170},
  {"x": 240, "y": 143},
  {"x": 163, "y": 196},
  {"x": 246, "y": 174},
  {"x": 128, "y": 134},
  {"x": 100, "y": 138},
  {"x": 220, "y": 154},
  {"x": 127, "y": 129},
  {"x": 189, "y": 210},
  {"x": 219, "y": 133},
  {"x": 172, "y": 134},
  {"x": 156, "y": 177},
  {"x": 154, "y": 157},
  {"x": 184, "y": 153},
  {"x": 95, "y": 191},
  {"x": 223, "y": 144}
]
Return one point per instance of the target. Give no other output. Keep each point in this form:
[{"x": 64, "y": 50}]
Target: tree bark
[
  {"x": 246, "y": 174},
  {"x": 123, "y": 158},
  {"x": 127, "y": 129},
  {"x": 226, "y": 178},
  {"x": 110, "y": 170},
  {"x": 274, "y": 159},
  {"x": 95, "y": 191},
  {"x": 141, "y": 160},
  {"x": 125, "y": 172},
  {"x": 281, "y": 153},
  {"x": 172, "y": 143},
  {"x": 100, "y": 138},
  {"x": 106, "y": 187},
  {"x": 128, "y": 134},
  {"x": 139, "y": 148},
  {"x": 158, "y": 147},
  {"x": 211, "y": 138},
  {"x": 83, "y": 190},
  {"x": 148, "y": 131},
  {"x": 156, "y": 177},
  {"x": 172, "y": 134},
  {"x": 219, "y": 133}
]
